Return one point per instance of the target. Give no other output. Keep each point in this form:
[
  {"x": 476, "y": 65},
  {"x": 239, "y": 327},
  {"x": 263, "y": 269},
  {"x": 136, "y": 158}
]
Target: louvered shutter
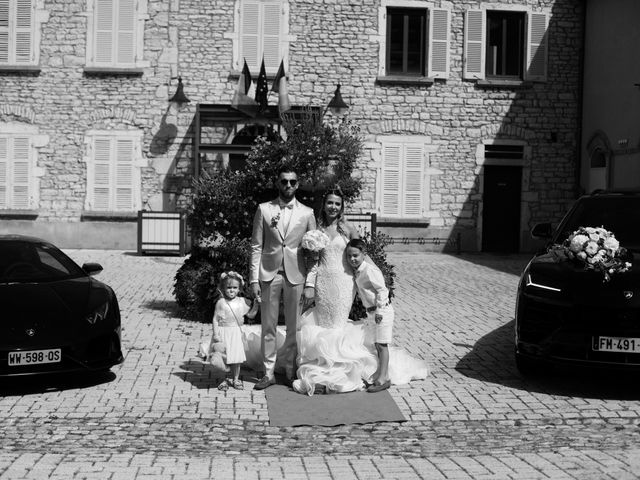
[
  {"x": 126, "y": 31},
  {"x": 23, "y": 31},
  {"x": 537, "y": 47},
  {"x": 439, "y": 27},
  {"x": 4, "y": 167},
  {"x": 271, "y": 35},
  {"x": 391, "y": 179},
  {"x": 250, "y": 24},
  {"x": 412, "y": 173},
  {"x": 20, "y": 173},
  {"x": 102, "y": 174},
  {"x": 124, "y": 175},
  {"x": 4, "y": 31},
  {"x": 104, "y": 31},
  {"x": 474, "y": 44}
]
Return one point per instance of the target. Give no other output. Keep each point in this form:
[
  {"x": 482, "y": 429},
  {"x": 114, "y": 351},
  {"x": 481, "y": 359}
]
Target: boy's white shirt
[{"x": 371, "y": 287}]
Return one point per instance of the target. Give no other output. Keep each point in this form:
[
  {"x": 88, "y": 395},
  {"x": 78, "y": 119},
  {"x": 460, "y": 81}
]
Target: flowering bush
[
  {"x": 196, "y": 282},
  {"x": 595, "y": 248},
  {"x": 323, "y": 153}
]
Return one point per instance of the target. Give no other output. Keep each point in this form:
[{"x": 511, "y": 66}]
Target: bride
[{"x": 334, "y": 353}]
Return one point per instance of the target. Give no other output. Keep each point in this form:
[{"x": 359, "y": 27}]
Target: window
[
  {"x": 406, "y": 46},
  {"x": 403, "y": 185},
  {"x": 115, "y": 34},
  {"x": 16, "y": 171},
  {"x": 505, "y": 45},
  {"x": 17, "y": 32},
  {"x": 262, "y": 28},
  {"x": 499, "y": 151},
  {"x": 113, "y": 171},
  {"x": 414, "y": 39}
]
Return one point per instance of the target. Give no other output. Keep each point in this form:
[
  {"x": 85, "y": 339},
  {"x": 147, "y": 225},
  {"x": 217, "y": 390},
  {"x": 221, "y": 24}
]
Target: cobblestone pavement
[{"x": 159, "y": 414}]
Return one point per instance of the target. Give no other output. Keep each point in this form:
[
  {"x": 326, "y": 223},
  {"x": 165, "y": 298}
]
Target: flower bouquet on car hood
[{"x": 594, "y": 248}]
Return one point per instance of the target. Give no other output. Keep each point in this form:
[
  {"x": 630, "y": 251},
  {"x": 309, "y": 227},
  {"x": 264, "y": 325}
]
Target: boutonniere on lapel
[{"x": 274, "y": 220}]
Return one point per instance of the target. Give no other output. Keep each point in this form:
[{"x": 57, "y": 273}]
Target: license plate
[
  {"x": 34, "y": 357},
  {"x": 616, "y": 344}
]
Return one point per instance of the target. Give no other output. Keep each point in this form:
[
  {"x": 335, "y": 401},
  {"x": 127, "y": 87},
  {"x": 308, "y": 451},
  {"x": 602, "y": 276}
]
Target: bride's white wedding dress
[{"x": 334, "y": 351}]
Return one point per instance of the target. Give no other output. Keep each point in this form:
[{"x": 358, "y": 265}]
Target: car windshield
[
  {"x": 619, "y": 215},
  {"x": 34, "y": 262}
]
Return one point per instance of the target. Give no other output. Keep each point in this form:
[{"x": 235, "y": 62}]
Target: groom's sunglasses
[{"x": 284, "y": 182}]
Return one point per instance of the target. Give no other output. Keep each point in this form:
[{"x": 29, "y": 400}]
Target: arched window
[
  {"x": 599, "y": 159},
  {"x": 600, "y": 153}
]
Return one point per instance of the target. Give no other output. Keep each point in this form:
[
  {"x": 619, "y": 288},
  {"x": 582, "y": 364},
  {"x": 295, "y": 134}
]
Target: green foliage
[
  {"x": 376, "y": 244},
  {"x": 323, "y": 153},
  {"x": 196, "y": 282}
]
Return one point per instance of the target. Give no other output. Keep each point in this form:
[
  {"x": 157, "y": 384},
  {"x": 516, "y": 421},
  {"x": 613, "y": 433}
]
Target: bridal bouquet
[
  {"x": 595, "y": 249},
  {"x": 314, "y": 242}
]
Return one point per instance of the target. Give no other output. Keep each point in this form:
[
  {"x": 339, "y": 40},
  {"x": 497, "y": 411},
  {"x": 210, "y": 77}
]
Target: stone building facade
[{"x": 469, "y": 110}]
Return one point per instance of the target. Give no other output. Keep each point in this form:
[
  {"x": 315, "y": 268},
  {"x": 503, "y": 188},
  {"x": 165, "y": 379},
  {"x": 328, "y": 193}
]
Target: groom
[{"x": 277, "y": 266}]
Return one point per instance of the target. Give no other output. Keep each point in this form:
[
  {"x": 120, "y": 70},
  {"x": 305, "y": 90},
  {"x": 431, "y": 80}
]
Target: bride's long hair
[{"x": 323, "y": 221}]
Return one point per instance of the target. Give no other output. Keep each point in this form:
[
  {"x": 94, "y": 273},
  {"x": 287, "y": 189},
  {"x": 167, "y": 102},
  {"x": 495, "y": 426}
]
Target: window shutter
[
  {"x": 124, "y": 175},
  {"x": 20, "y": 173},
  {"x": 126, "y": 31},
  {"x": 439, "y": 27},
  {"x": 24, "y": 34},
  {"x": 412, "y": 184},
  {"x": 474, "y": 44},
  {"x": 391, "y": 179},
  {"x": 104, "y": 31},
  {"x": 271, "y": 35},
  {"x": 249, "y": 35},
  {"x": 4, "y": 31},
  {"x": 102, "y": 174},
  {"x": 4, "y": 163},
  {"x": 537, "y": 24}
]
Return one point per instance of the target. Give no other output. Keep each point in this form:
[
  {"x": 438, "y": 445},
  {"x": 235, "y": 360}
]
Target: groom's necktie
[{"x": 287, "y": 208}]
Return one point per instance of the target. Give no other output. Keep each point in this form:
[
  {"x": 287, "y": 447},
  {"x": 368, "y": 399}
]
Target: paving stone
[{"x": 160, "y": 415}]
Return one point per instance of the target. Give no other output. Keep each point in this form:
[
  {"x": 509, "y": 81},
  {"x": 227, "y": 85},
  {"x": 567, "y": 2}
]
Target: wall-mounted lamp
[
  {"x": 179, "y": 97},
  {"x": 337, "y": 105}
]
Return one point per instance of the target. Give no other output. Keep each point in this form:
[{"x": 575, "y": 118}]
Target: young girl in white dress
[{"x": 228, "y": 317}]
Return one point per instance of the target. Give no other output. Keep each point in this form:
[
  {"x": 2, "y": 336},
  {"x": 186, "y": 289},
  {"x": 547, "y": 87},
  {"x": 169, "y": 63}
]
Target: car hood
[
  {"x": 587, "y": 287},
  {"x": 40, "y": 312}
]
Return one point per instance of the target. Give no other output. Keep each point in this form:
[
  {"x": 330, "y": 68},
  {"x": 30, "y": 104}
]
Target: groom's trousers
[{"x": 269, "y": 310}]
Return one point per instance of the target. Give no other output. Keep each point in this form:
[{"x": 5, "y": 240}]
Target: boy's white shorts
[{"x": 382, "y": 332}]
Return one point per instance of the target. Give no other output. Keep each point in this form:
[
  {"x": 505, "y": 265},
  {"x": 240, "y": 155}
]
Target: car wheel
[{"x": 526, "y": 366}]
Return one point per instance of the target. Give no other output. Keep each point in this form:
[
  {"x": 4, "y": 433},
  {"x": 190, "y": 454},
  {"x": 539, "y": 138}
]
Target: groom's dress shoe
[
  {"x": 378, "y": 388},
  {"x": 264, "y": 383}
]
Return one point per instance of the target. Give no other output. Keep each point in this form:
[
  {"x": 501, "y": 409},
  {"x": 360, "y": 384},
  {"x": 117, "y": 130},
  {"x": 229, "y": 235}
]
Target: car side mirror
[
  {"x": 92, "y": 268},
  {"x": 542, "y": 230}
]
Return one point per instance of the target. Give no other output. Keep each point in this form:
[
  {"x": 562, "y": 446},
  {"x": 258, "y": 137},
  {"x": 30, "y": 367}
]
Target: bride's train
[
  {"x": 335, "y": 358},
  {"x": 341, "y": 359}
]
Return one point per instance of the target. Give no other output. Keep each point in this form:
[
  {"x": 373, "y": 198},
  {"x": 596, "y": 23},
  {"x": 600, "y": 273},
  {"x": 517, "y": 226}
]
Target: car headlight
[
  {"x": 542, "y": 283},
  {"x": 98, "y": 314}
]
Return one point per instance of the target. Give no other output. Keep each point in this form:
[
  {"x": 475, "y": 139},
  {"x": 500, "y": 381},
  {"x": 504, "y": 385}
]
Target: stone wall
[{"x": 330, "y": 42}]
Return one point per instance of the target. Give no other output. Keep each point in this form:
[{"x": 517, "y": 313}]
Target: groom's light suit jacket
[{"x": 272, "y": 247}]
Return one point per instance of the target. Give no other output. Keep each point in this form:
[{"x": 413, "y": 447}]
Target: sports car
[
  {"x": 568, "y": 313},
  {"x": 56, "y": 316}
]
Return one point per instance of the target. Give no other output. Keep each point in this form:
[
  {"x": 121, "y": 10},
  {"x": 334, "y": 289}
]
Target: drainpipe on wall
[{"x": 577, "y": 189}]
